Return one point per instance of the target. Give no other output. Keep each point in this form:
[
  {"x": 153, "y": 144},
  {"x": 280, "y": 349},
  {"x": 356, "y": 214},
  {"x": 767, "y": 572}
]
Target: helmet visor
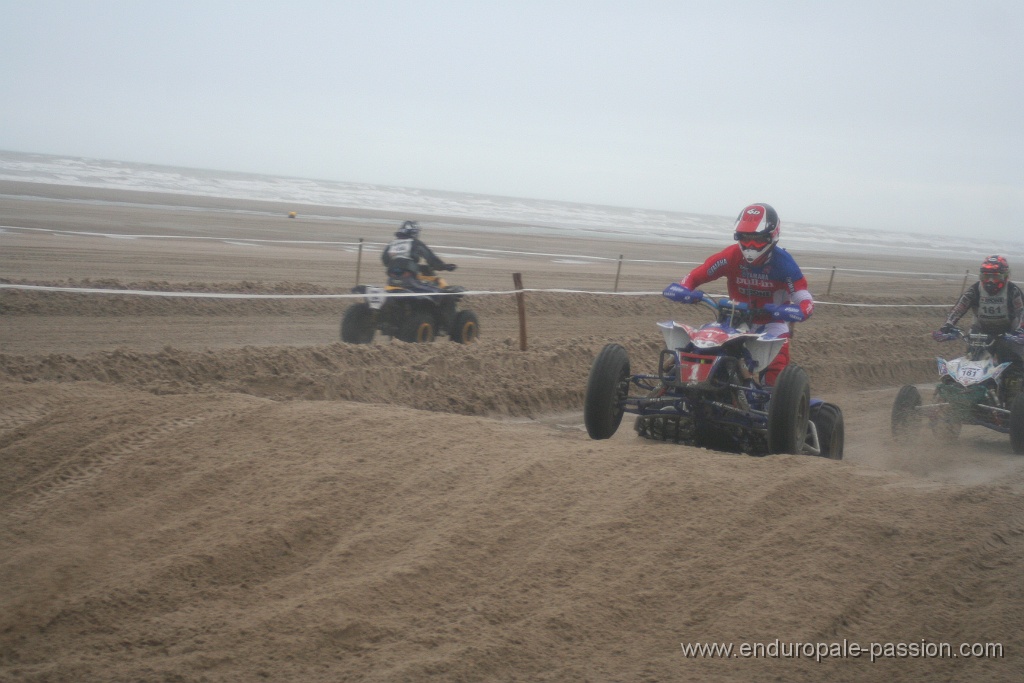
[{"x": 752, "y": 240}]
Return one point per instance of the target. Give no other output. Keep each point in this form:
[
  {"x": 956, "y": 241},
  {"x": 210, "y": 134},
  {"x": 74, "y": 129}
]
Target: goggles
[
  {"x": 752, "y": 240},
  {"x": 992, "y": 277}
]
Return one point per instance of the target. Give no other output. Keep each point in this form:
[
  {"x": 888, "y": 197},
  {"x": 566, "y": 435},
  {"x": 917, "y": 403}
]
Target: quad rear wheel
[
  {"x": 465, "y": 328},
  {"x": 906, "y": 419},
  {"x": 607, "y": 388},
  {"x": 1017, "y": 424},
  {"x": 828, "y": 421},
  {"x": 418, "y": 328}
]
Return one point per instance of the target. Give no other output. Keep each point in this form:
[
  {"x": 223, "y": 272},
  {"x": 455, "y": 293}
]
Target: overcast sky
[{"x": 896, "y": 115}]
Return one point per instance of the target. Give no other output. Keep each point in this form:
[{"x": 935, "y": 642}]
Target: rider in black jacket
[{"x": 402, "y": 259}]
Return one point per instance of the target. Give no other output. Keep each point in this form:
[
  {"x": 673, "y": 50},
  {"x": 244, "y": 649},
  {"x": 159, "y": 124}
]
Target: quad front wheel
[
  {"x": 358, "y": 324},
  {"x": 789, "y": 411},
  {"x": 607, "y": 388}
]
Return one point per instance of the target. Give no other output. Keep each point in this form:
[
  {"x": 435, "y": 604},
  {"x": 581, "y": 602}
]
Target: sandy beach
[{"x": 198, "y": 489}]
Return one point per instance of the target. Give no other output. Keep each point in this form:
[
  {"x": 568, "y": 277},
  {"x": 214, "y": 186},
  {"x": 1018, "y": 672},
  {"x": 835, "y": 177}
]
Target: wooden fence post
[
  {"x": 617, "y": 271},
  {"x": 517, "y": 281},
  {"x": 359, "y": 259},
  {"x": 964, "y": 285},
  {"x": 830, "y": 279}
]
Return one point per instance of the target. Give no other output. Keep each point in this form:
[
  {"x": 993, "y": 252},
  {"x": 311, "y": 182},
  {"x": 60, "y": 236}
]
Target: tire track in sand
[
  {"x": 32, "y": 410},
  {"x": 93, "y": 460}
]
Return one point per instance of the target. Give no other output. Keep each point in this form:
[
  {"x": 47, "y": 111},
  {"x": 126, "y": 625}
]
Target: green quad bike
[{"x": 973, "y": 389}]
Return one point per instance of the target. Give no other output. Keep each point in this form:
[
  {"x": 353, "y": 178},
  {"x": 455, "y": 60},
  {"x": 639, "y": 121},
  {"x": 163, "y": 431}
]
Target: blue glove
[
  {"x": 676, "y": 292},
  {"x": 1017, "y": 337},
  {"x": 788, "y": 312}
]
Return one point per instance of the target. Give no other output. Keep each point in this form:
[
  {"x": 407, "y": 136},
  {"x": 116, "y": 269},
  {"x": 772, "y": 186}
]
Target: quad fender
[
  {"x": 677, "y": 335},
  {"x": 763, "y": 351},
  {"x": 969, "y": 372}
]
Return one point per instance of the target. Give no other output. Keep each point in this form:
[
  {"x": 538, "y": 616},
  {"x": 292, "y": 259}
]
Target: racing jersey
[
  {"x": 778, "y": 281},
  {"x": 1003, "y": 312},
  {"x": 404, "y": 254}
]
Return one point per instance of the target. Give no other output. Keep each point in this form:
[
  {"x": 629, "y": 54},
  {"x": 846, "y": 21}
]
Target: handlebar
[
  {"x": 728, "y": 310},
  {"x": 676, "y": 292},
  {"x": 976, "y": 339},
  {"x": 952, "y": 335},
  {"x": 427, "y": 270}
]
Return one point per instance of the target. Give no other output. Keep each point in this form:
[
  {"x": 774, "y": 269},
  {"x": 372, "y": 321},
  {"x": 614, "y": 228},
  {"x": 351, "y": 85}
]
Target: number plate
[
  {"x": 375, "y": 297},
  {"x": 969, "y": 373}
]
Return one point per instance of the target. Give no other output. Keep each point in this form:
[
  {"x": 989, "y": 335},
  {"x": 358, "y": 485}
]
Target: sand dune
[{"x": 201, "y": 491}]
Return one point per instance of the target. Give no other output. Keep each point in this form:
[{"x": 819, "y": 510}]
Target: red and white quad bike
[{"x": 706, "y": 392}]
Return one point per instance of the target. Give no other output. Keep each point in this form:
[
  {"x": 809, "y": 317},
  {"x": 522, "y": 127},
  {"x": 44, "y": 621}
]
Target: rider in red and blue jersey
[{"x": 762, "y": 274}]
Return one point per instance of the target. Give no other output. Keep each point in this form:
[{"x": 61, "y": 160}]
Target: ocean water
[{"x": 529, "y": 216}]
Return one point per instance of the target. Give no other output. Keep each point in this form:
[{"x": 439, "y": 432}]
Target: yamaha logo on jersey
[
  {"x": 754, "y": 284},
  {"x": 716, "y": 265},
  {"x": 750, "y": 276}
]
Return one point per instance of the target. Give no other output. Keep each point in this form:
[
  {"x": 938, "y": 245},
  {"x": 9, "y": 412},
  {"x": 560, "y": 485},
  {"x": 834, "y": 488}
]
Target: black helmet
[{"x": 409, "y": 229}]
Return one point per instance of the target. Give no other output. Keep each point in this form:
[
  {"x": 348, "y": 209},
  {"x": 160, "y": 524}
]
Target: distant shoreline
[{"x": 64, "y": 192}]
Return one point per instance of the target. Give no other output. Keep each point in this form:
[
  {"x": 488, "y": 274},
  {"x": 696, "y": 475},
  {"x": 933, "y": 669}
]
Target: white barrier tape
[
  {"x": 952, "y": 276},
  {"x": 234, "y": 295},
  {"x": 833, "y": 303},
  {"x": 244, "y": 240}
]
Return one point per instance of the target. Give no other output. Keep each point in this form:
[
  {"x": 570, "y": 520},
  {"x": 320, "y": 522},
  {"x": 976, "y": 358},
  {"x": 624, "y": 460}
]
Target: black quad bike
[
  {"x": 409, "y": 316},
  {"x": 706, "y": 392}
]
